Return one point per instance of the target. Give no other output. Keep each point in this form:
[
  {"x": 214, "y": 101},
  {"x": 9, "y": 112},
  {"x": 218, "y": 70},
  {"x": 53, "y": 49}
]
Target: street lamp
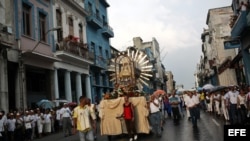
[{"x": 21, "y": 68}]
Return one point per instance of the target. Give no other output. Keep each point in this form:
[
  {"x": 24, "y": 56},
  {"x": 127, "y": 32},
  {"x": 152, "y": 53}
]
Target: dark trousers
[
  {"x": 242, "y": 114},
  {"x": 28, "y": 134},
  {"x": 67, "y": 125},
  {"x": 4, "y": 136},
  {"x": 11, "y": 135},
  {"x": 176, "y": 114},
  {"x": 194, "y": 116},
  {"x": 19, "y": 134},
  {"x": 130, "y": 127},
  {"x": 233, "y": 113},
  {"x": 198, "y": 111}
]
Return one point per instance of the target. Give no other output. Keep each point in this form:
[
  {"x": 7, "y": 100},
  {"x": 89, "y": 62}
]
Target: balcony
[
  {"x": 74, "y": 52},
  {"x": 239, "y": 25},
  {"x": 107, "y": 31},
  {"x": 94, "y": 20},
  {"x": 105, "y": 3},
  {"x": 6, "y": 39},
  {"x": 100, "y": 62}
]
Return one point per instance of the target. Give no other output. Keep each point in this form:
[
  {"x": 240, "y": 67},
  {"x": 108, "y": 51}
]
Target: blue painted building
[
  {"x": 240, "y": 23},
  {"x": 98, "y": 34}
]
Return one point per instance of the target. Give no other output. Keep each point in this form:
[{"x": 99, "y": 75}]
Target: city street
[{"x": 210, "y": 128}]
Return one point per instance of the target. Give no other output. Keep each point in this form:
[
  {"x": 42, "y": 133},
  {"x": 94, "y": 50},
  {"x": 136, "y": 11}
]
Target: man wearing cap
[
  {"x": 28, "y": 126},
  {"x": 11, "y": 127},
  {"x": 19, "y": 128}
]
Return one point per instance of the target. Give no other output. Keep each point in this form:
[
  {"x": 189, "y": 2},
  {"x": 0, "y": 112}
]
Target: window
[
  {"x": 59, "y": 23},
  {"x": 107, "y": 54},
  {"x": 98, "y": 15},
  {"x": 97, "y": 3},
  {"x": 42, "y": 24},
  {"x": 100, "y": 51},
  {"x": 26, "y": 20},
  {"x": 92, "y": 47},
  {"x": 71, "y": 26},
  {"x": 80, "y": 33},
  {"x": 105, "y": 23},
  {"x": 90, "y": 8}
]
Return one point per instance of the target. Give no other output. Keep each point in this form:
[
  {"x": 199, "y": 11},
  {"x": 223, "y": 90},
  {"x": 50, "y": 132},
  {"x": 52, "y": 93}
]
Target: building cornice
[{"x": 74, "y": 7}]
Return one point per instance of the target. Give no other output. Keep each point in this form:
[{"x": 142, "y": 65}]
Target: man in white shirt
[
  {"x": 28, "y": 127},
  {"x": 58, "y": 123},
  {"x": 191, "y": 104},
  {"x": 66, "y": 120},
  {"x": 185, "y": 97},
  {"x": 11, "y": 124},
  {"x": 231, "y": 96},
  {"x": 2, "y": 127},
  {"x": 155, "y": 115},
  {"x": 197, "y": 100}
]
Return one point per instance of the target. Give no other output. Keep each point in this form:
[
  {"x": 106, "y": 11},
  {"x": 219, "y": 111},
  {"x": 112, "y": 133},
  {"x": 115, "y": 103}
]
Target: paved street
[{"x": 210, "y": 128}]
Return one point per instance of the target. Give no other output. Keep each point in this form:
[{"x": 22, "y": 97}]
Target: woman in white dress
[
  {"x": 40, "y": 123},
  {"x": 47, "y": 122},
  {"x": 209, "y": 101},
  {"x": 224, "y": 105}
]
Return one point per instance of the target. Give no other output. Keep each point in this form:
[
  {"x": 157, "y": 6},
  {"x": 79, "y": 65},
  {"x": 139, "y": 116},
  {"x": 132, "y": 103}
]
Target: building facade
[
  {"x": 98, "y": 34},
  {"x": 214, "y": 64},
  {"x": 240, "y": 22},
  {"x": 71, "y": 74},
  {"x": 31, "y": 58}
]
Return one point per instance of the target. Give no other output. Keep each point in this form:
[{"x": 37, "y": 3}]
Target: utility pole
[{"x": 21, "y": 80}]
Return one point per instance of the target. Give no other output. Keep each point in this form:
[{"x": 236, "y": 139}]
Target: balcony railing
[
  {"x": 94, "y": 19},
  {"x": 6, "y": 39},
  {"x": 107, "y": 30},
  {"x": 239, "y": 25},
  {"x": 101, "y": 62},
  {"x": 76, "y": 48}
]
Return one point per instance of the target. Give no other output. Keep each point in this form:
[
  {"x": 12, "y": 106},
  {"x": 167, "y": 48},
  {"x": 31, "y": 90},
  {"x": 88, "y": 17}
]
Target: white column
[
  {"x": 4, "y": 102},
  {"x": 88, "y": 87},
  {"x": 56, "y": 89},
  {"x": 78, "y": 86},
  {"x": 67, "y": 85}
]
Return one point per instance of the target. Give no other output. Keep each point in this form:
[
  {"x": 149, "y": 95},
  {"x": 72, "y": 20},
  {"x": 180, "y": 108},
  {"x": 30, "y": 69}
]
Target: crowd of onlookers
[
  {"x": 35, "y": 123},
  {"x": 231, "y": 103}
]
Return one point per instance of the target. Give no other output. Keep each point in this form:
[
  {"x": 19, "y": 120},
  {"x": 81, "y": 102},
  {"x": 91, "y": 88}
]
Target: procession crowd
[
  {"x": 35, "y": 123},
  {"x": 230, "y": 103}
]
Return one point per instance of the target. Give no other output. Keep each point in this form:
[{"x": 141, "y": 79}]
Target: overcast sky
[{"x": 176, "y": 24}]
